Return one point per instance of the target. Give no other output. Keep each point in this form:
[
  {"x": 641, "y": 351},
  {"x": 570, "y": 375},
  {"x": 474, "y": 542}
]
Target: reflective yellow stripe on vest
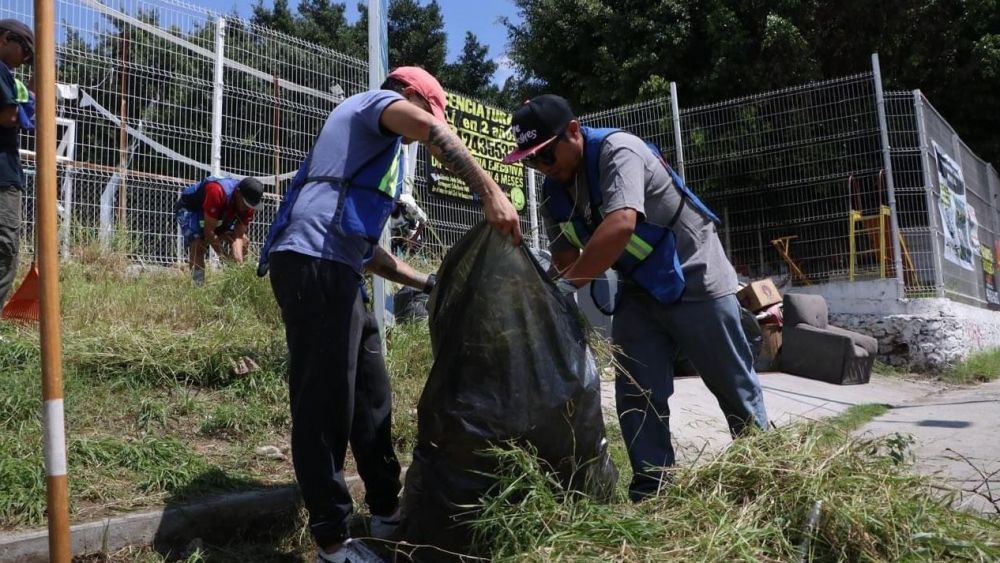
[
  {"x": 570, "y": 233},
  {"x": 638, "y": 248},
  {"x": 388, "y": 183},
  {"x": 22, "y": 92}
]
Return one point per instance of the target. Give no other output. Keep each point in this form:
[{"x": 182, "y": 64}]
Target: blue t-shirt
[{"x": 351, "y": 136}]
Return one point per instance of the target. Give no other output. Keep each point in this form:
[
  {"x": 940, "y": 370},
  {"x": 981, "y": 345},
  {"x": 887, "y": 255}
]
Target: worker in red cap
[
  {"x": 17, "y": 47},
  {"x": 324, "y": 237}
]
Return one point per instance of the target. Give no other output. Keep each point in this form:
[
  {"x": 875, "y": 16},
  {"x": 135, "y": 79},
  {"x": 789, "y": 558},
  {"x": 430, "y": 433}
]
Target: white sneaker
[
  {"x": 384, "y": 527},
  {"x": 351, "y": 551}
]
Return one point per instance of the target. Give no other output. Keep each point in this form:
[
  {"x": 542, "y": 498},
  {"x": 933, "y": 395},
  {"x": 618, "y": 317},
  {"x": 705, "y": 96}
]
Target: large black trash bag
[{"x": 511, "y": 365}]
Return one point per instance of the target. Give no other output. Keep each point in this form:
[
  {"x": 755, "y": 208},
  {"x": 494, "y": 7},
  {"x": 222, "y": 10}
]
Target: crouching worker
[
  {"x": 611, "y": 201},
  {"x": 323, "y": 237},
  {"x": 215, "y": 213}
]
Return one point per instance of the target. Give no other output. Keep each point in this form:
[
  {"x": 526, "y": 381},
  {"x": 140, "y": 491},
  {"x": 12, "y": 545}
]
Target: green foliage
[
  {"x": 979, "y": 367},
  {"x": 602, "y": 53},
  {"x": 472, "y": 74},
  {"x": 416, "y": 35}
]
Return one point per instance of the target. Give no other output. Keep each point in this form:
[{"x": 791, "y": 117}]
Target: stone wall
[{"x": 915, "y": 334}]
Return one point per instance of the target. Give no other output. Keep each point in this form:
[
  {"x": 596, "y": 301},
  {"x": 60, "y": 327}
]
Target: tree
[
  {"x": 604, "y": 53},
  {"x": 472, "y": 74},
  {"x": 416, "y": 35}
]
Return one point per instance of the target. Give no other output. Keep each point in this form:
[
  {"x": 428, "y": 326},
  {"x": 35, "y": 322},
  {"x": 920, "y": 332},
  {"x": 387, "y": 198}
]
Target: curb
[{"x": 214, "y": 521}]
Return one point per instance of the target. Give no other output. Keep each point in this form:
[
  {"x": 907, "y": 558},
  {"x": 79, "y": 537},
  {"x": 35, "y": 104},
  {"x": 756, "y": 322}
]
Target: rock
[
  {"x": 270, "y": 452},
  {"x": 244, "y": 366}
]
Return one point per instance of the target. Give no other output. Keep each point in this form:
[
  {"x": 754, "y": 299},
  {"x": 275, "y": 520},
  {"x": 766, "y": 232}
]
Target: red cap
[{"x": 425, "y": 84}]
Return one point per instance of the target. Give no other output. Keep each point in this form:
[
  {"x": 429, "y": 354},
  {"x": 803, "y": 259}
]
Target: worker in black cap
[{"x": 17, "y": 47}]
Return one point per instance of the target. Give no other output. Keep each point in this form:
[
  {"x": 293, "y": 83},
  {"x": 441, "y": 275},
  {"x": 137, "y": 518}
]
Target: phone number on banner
[{"x": 485, "y": 146}]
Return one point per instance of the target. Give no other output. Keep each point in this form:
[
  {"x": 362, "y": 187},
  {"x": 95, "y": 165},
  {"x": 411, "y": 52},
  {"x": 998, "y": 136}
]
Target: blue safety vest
[
  {"x": 25, "y": 105},
  {"x": 650, "y": 259},
  {"x": 366, "y": 198},
  {"x": 193, "y": 196}
]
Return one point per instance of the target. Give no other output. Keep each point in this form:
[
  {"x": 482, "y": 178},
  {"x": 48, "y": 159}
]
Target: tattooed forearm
[{"x": 457, "y": 158}]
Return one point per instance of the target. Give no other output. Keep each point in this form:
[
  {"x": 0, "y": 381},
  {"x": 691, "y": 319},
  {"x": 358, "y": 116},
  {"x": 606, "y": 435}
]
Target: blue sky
[{"x": 478, "y": 16}]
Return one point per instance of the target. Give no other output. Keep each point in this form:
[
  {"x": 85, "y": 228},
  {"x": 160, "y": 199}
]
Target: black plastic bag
[
  {"x": 409, "y": 305},
  {"x": 511, "y": 365}
]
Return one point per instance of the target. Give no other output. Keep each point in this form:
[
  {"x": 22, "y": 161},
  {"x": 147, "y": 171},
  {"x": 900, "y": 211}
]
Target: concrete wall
[{"x": 917, "y": 334}]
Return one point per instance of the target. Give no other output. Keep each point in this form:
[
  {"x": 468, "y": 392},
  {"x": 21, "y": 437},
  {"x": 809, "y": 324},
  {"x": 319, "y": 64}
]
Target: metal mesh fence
[
  {"x": 916, "y": 243},
  {"x": 156, "y": 94},
  {"x": 787, "y": 171},
  {"x": 962, "y": 188},
  {"x": 144, "y": 110}
]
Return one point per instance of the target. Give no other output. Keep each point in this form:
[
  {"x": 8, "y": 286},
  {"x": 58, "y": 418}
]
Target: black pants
[
  {"x": 10, "y": 238},
  {"x": 339, "y": 390}
]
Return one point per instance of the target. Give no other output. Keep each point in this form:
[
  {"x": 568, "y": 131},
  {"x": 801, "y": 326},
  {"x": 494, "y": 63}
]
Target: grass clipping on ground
[{"x": 751, "y": 502}]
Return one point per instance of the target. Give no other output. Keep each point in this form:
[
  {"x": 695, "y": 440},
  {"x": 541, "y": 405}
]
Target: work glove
[{"x": 431, "y": 282}]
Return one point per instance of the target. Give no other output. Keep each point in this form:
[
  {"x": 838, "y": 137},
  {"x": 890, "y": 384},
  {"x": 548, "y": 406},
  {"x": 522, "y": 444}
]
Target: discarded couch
[
  {"x": 815, "y": 349},
  {"x": 511, "y": 366}
]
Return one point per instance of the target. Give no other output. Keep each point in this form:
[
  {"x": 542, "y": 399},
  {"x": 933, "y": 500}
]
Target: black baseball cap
[
  {"x": 21, "y": 29},
  {"x": 252, "y": 191},
  {"x": 537, "y": 123}
]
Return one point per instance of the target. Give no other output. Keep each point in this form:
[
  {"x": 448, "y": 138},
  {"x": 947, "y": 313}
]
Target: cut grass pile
[{"x": 752, "y": 502}]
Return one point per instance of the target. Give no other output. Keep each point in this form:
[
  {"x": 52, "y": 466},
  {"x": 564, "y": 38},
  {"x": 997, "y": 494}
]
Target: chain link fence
[{"x": 156, "y": 94}]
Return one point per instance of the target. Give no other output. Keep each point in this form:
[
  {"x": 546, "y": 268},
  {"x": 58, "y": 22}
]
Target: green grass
[
  {"x": 978, "y": 368},
  {"x": 750, "y": 502},
  {"x": 154, "y": 415},
  {"x": 153, "y": 411},
  {"x": 882, "y": 368},
  {"x": 409, "y": 362}
]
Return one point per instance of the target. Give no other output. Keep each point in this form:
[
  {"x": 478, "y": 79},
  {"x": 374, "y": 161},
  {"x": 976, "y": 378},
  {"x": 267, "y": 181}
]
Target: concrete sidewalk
[
  {"x": 956, "y": 429},
  {"x": 956, "y": 438},
  {"x": 696, "y": 420}
]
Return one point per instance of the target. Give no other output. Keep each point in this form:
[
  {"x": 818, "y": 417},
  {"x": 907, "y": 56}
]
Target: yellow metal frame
[
  {"x": 782, "y": 245},
  {"x": 883, "y": 243}
]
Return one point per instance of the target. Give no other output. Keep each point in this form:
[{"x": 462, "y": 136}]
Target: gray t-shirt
[{"x": 632, "y": 177}]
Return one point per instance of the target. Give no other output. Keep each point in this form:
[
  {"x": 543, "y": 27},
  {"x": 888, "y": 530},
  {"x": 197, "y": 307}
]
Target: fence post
[
  {"x": 378, "y": 67},
  {"x": 675, "y": 114},
  {"x": 889, "y": 182},
  {"x": 932, "y": 214},
  {"x": 533, "y": 207},
  {"x": 217, "y": 87},
  {"x": 69, "y": 137}
]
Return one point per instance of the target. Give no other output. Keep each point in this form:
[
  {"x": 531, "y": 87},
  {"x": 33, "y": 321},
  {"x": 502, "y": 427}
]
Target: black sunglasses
[{"x": 544, "y": 157}]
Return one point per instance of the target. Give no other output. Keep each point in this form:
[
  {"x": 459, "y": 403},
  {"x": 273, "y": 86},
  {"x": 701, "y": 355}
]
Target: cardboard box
[
  {"x": 770, "y": 345},
  {"x": 759, "y": 295}
]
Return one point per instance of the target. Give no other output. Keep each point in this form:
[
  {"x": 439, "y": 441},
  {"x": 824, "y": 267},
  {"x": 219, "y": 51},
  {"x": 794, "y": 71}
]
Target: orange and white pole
[{"x": 48, "y": 274}]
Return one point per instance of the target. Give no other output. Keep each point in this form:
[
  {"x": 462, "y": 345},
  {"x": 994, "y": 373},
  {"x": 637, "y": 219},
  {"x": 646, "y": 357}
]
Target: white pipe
[{"x": 217, "y": 90}]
